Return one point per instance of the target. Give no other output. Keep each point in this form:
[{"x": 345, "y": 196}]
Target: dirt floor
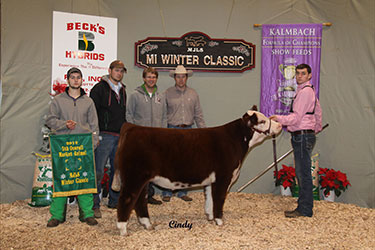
[{"x": 251, "y": 221}]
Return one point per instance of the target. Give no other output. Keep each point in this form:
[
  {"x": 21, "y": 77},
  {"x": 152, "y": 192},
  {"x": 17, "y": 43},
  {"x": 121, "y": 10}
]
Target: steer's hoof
[
  {"x": 122, "y": 227},
  {"x": 219, "y": 222},
  {"x": 145, "y": 222}
]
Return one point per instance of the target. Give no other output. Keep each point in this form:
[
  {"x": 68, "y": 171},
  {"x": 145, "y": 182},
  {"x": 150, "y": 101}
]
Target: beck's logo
[{"x": 85, "y": 41}]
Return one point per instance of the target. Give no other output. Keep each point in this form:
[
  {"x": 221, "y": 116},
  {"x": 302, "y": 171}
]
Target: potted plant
[
  {"x": 285, "y": 178},
  {"x": 329, "y": 180}
]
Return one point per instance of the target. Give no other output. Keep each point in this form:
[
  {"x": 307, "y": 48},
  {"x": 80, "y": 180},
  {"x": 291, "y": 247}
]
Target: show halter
[{"x": 267, "y": 132}]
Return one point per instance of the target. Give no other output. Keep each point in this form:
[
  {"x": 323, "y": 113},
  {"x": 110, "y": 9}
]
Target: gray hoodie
[
  {"x": 147, "y": 111},
  {"x": 81, "y": 110}
]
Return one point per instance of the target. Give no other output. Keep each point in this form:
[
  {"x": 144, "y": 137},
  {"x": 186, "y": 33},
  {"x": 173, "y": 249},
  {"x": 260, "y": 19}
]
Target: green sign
[{"x": 73, "y": 164}]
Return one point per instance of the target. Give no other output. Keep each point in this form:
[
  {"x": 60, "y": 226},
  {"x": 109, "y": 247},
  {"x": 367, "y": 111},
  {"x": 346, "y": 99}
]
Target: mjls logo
[{"x": 85, "y": 41}]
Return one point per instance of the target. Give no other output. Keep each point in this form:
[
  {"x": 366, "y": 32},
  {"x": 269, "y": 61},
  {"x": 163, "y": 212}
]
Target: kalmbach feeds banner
[
  {"x": 284, "y": 46},
  {"x": 86, "y": 42},
  {"x": 73, "y": 164}
]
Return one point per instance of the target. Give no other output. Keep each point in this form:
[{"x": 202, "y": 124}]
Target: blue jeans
[
  {"x": 106, "y": 149},
  {"x": 168, "y": 192},
  {"x": 303, "y": 145},
  {"x": 150, "y": 189}
]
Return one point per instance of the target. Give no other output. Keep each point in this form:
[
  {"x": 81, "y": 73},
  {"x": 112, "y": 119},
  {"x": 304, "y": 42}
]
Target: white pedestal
[
  {"x": 330, "y": 197},
  {"x": 285, "y": 192}
]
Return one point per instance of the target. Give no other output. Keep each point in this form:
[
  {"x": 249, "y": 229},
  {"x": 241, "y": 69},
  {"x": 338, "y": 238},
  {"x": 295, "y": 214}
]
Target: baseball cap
[
  {"x": 73, "y": 70},
  {"x": 117, "y": 64}
]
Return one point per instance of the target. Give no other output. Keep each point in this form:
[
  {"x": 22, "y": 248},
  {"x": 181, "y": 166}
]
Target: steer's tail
[{"x": 116, "y": 184}]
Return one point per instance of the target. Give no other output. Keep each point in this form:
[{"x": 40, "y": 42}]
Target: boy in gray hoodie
[
  {"x": 146, "y": 107},
  {"x": 73, "y": 112}
]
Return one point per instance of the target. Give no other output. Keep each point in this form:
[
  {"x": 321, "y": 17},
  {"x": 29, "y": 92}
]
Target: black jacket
[{"x": 111, "y": 109}]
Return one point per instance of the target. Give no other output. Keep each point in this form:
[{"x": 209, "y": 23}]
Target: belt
[
  {"x": 110, "y": 133},
  {"x": 301, "y": 132},
  {"x": 182, "y": 125}
]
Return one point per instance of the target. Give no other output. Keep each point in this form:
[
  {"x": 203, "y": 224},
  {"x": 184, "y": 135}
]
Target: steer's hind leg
[
  {"x": 127, "y": 200},
  {"x": 219, "y": 193},
  {"x": 141, "y": 209}
]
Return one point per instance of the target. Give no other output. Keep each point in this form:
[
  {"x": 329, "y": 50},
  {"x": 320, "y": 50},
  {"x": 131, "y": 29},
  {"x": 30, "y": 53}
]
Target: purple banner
[{"x": 284, "y": 46}]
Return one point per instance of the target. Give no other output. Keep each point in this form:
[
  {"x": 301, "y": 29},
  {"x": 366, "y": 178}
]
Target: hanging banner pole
[{"x": 257, "y": 25}]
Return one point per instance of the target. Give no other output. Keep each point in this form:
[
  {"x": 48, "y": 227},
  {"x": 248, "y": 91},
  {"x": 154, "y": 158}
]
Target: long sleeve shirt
[
  {"x": 81, "y": 110},
  {"x": 304, "y": 102},
  {"x": 183, "y": 107},
  {"x": 145, "y": 110}
]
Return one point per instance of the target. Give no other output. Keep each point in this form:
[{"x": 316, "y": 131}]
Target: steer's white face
[{"x": 263, "y": 128}]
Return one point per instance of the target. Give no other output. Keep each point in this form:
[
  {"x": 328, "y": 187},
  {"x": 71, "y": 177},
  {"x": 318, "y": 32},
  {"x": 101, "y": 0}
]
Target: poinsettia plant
[
  {"x": 58, "y": 87},
  {"x": 329, "y": 180},
  {"x": 285, "y": 177}
]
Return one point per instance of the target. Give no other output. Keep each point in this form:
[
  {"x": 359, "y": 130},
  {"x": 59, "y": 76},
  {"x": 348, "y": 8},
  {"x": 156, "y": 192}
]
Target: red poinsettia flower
[
  {"x": 322, "y": 171},
  {"x": 58, "y": 87},
  {"x": 333, "y": 180},
  {"x": 287, "y": 184},
  {"x": 345, "y": 183},
  {"x": 285, "y": 177},
  {"x": 341, "y": 176}
]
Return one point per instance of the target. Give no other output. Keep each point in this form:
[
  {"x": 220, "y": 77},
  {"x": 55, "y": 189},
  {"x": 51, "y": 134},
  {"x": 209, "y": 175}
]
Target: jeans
[
  {"x": 150, "y": 189},
  {"x": 106, "y": 149},
  {"x": 303, "y": 145},
  {"x": 168, "y": 192}
]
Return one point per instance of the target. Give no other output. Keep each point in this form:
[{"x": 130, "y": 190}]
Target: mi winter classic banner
[
  {"x": 85, "y": 42},
  {"x": 284, "y": 46},
  {"x": 73, "y": 164}
]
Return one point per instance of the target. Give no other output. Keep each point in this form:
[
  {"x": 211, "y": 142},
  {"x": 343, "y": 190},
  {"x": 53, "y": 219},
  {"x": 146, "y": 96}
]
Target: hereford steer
[{"x": 184, "y": 158}]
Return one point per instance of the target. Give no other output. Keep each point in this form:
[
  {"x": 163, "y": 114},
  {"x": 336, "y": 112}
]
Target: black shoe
[
  {"x": 91, "y": 221},
  {"x": 112, "y": 206},
  {"x": 186, "y": 198},
  {"x": 289, "y": 212},
  {"x": 97, "y": 213},
  {"x": 293, "y": 214},
  {"x": 152, "y": 200},
  {"x": 166, "y": 198},
  {"x": 53, "y": 223}
]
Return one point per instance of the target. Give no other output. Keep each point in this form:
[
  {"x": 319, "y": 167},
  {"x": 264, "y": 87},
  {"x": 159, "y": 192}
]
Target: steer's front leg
[
  {"x": 219, "y": 193},
  {"x": 128, "y": 198},
  {"x": 141, "y": 209}
]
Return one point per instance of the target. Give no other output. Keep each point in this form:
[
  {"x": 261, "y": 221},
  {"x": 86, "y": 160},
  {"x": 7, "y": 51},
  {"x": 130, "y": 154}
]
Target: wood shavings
[{"x": 251, "y": 221}]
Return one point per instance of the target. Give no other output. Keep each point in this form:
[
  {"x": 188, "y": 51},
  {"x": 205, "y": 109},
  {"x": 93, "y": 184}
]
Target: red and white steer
[{"x": 185, "y": 158}]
